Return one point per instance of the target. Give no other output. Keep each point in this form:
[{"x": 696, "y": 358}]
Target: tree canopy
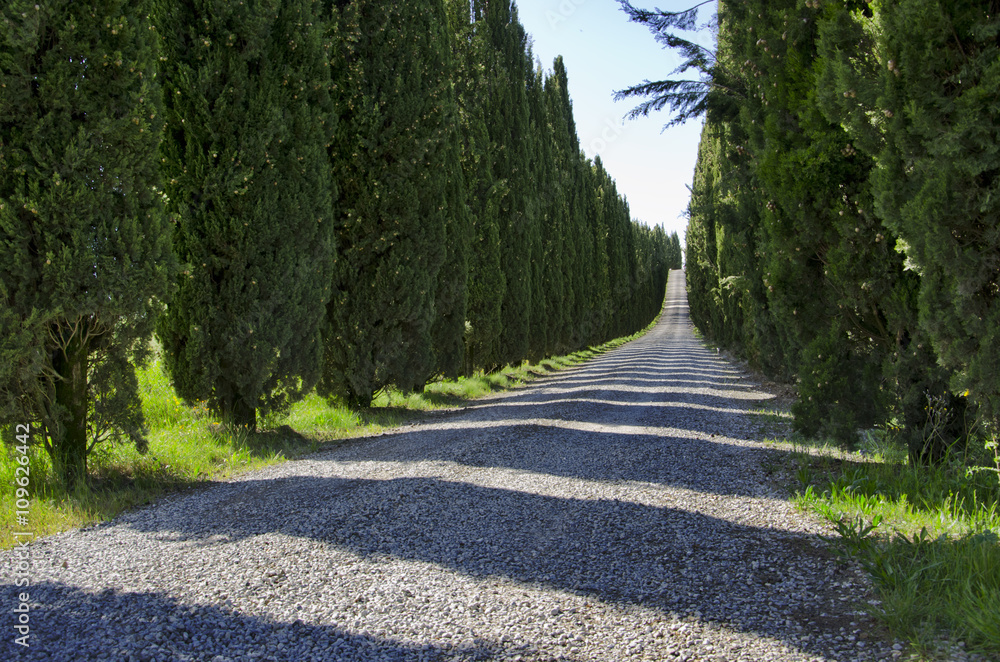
[
  {"x": 347, "y": 196},
  {"x": 86, "y": 242},
  {"x": 842, "y": 227}
]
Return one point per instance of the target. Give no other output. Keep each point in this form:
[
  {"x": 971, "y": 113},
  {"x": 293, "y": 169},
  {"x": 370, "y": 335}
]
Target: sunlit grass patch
[{"x": 929, "y": 537}]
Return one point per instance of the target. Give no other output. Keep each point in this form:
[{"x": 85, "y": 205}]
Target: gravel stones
[{"x": 618, "y": 510}]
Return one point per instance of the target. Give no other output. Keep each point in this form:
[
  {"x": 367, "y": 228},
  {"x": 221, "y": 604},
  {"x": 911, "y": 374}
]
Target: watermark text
[{"x": 22, "y": 552}]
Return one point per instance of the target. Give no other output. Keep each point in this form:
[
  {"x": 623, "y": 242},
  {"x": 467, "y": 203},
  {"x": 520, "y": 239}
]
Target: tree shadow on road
[
  {"x": 666, "y": 559},
  {"x": 154, "y": 626}
]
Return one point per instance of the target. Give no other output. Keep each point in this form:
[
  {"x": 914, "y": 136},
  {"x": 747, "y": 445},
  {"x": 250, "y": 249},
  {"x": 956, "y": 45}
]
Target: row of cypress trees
[
  {"x": 293, "y": 194},
  {"x": 844, "y": 220}
]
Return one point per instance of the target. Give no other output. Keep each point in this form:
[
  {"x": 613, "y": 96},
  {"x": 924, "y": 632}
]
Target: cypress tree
[
  {"x": 508, "y": 124},
  {"x": 247, "y": 172},
  {"x": 935, "y": 188},
  {"x": 84, "y": 236},
  {"x": 599, "y": 209},
  {"x": 589, "y": 319},
  {"x": 568, "y": 224},
  {"x": 660, "y": 268},
  {"x": 392, "y": 161},
  {"x": 486, "y": 283},
  {"x": 876, "y": 294},
  {"x": 451, "y": 304},
  {"x": 616, "y": 218},
  {"x": 582, "y": 274},
  {"x": 547, "y": 206},
  {"x": 644, "y": 258},
  {"x": 700, "y": 276},
  {"x": 674, "y": 253},
  {"x": 634, "y": 283},
  {"x": 824, "y": 287}
]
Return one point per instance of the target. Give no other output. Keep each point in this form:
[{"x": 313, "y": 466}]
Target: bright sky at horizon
[{"x": 605, "y": 52}]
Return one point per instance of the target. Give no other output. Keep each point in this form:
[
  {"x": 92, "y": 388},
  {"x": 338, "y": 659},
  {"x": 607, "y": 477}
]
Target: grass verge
[
  {"x": 188, "y": 448},
  {"x": 928, "y": 536}
]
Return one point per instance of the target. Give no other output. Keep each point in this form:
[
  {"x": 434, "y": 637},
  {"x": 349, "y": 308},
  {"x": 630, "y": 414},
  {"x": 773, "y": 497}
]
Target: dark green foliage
[
  {"x": 473, "y": 213},
  {"x": 556, "y": 261},
  {"x": 83, "y": 233},
  {"x": 827, "y": 267},
  {"x": 652, "y": 268},
  {"x": 394, "y": 156},
  {"x": 726, "y": 287},
  {"x": 567, "y": 212},
  {"x": 451, "y": 304},
  {"x": 939, "y": 170},
  {"x": 701, "y": 276},
  {"x": 546, "y": 207},
  {"x": 433, "y": 190},
  {"x": 22, "y": 363},
  {"x": 833, "y": 401},
  {"x": 841, "y": 227},
  {"x": 610, "y": 246},
  {"x": 486, "y": 284},
  {"x": 598, "y": 292},
  {"x": 907, "y": 187},
  {"x": 674, "y": 254},
  {"x": 508, "y": 68},
  {"x": 245, "y": 159}
]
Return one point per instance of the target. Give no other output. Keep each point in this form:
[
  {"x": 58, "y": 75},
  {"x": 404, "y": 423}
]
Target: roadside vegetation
[
  {"x": 189, "y": 447},
  {"x": 290, "y": 216},
  {"x": 927, "y": 536}
]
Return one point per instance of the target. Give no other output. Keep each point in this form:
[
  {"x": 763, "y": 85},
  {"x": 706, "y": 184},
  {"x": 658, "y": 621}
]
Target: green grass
[
  {"x": 188, "y": 448},
  {"x": 928, "y": 536}
]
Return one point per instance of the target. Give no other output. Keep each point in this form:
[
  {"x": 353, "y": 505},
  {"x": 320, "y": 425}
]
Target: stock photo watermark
[
  {"x": 21, "y": 563},
  {"x": 563, "y": 12},
  {"x": 611, "y": 132}
]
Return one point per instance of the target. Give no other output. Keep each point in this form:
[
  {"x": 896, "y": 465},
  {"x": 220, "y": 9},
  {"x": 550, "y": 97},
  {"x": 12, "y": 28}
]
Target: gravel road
[{"x": 618, "y": 510}]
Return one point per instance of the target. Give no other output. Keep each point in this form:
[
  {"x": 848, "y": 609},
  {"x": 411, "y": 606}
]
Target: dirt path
[{"x": 616, "y": 511}]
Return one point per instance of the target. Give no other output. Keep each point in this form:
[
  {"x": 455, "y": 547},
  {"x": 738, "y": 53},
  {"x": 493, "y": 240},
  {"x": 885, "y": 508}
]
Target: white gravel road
[{"x": 618, "y": 510}]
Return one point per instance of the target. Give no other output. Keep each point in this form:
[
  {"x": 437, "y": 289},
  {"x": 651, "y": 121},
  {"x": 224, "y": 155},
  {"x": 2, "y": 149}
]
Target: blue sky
[{"x": 605, "y": 52}]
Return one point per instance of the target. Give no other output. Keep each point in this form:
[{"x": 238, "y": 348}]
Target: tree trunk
[
  {"x": 244, "y": 415},
  {"x": 69, "y": 449},
  {"x": 359, "y": 400}
]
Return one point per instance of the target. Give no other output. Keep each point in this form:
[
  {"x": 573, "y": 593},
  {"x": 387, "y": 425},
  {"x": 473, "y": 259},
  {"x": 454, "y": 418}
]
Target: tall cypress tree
[
  {"x": 675, "y": 256},
  {"x": 486, "y": 283},
  {"x": 701, "y": 275},
  {"x": 601, "y": 301},
  {"x": 827, "y": 274},
  {"x": 247, "y": 172},
  {"x": 84, "y": 236},
  {"x": 581, "y": 279},
  {"x": 508, "y": 124},
  {"x": 547, "y": 206},
  {"x": 565, "y": 225},
  {"x": 863, "y": 123},
  {"x": 451, "y": 304},
  {"x": 617, "y": 219},
  {"x": 935, "y": 188},
  {"x": 393, "y": 158}
]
